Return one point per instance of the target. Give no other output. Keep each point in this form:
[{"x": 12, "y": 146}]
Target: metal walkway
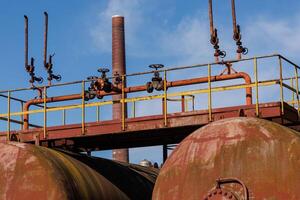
[{"x": 165, "y": 128}]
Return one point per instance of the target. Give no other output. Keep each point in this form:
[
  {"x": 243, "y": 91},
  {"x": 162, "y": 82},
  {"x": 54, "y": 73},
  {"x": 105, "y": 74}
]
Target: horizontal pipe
[
  {"x": 141, "y": 88},
  {"x": 150, "y": 72},
  {"x": 19, "y": 122}
]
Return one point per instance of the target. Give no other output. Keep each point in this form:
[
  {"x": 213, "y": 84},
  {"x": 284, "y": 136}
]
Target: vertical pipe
[
  {"x": 165, "y": 99},
  {"x": 209, "y": 93},
  {"x": 45, "y": 37},
  {"x": 211, "y": 18},
  {"x": 119, "y": 66},
  {"x": 256, "y": 88},
  {"x": 281, "y": 86},
  {"x": 26, "y": 40},
  {"x": 297, "y": 88},
  {"x": 82, "y": 108},
  {"x": 233, "y": 16},
  {"x": 8, "y": 119},
  {"x": 45, "y": 113}
]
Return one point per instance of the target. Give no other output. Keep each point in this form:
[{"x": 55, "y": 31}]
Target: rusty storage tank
[
  {"x": 237, "y": 158},
  {"x": 34, "y": 172}
]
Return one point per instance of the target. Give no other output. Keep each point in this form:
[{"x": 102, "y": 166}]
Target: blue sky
[{"x": 171, "y": 32}]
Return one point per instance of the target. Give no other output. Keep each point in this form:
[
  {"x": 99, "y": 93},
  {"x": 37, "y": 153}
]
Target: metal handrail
[
  {"x": 209, "y": 90},
  {"x": 150, "y": 72}
]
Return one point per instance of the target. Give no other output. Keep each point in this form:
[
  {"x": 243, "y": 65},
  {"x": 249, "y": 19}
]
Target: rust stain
[{"x": 262, "y": 154}]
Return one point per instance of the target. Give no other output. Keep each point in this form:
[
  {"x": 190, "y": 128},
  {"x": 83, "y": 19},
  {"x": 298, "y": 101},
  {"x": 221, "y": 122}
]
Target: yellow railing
[{"x": 165, "y": 95}]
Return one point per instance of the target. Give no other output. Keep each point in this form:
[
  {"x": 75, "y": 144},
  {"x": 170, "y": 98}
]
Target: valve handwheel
[
  {"x": 92, "y": 78},
  {"x": 156, "y": 66},
  {"x": 103, "y": 70}
]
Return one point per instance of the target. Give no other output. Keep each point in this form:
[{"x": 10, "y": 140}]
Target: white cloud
[
  {"x": 274, "y": 35},
  {"x": 187, "y": 42},
  {"x": 101, "y": 32}
]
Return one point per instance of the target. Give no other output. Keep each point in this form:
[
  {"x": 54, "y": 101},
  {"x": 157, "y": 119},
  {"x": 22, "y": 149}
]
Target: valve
[
  {"x": 98, "y": 84},
  {"x": 214, "y": 40},
  {"x": 103, "y": 83},
  {"x": 237, "y": 37},
  {"x": 49, "y": 66},
  {"x": 156, "y": 81},
  {"x": 30, "y": 69}
]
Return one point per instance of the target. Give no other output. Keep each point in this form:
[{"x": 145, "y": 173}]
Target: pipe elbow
[{"x": 246, "y": 77}]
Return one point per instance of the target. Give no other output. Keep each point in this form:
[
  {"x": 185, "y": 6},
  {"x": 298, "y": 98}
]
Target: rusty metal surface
[
  {"x": 119, "y": 67},
  {"x": 264, "y": 155},
  {"x": 149, "y": 130},
  {"x": 135, "y": 181},
  {"x": 33, "y": 172},
  {"x": 132, "y": 89}
]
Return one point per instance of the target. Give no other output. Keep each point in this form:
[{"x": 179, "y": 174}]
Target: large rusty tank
[
  {"x": 237, "y": 158},
  {"x": 34, "y": 172}
]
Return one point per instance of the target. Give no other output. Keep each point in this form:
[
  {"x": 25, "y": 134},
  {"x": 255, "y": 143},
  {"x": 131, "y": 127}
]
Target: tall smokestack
[{"x": 119, "y": 66}]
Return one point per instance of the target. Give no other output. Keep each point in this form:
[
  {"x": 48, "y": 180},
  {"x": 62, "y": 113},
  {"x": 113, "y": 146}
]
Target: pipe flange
[{"x": 220, "y": 193}]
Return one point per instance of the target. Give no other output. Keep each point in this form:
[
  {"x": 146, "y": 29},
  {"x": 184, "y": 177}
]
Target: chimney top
[{"x": 117, "y": 16}]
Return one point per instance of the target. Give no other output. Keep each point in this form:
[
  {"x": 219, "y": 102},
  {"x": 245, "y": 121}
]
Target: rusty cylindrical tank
[
  {"x": 119, "y": 66},
  {"x": 231, "y": 159},
  {"x": 34, "y": 172}
]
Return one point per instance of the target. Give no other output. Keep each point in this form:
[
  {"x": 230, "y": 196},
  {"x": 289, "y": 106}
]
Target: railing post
[
  {"x": 83, "y": 108},
  {"x": 193, "y": 104},
  {"x": 256, "y": 88},
  {"x": 186, "y": 104},
  {"x": 183, "y": 106},
  {"x": 64, "y": 116},
  {"x": 45, "y": 113},
  {"x": 123, "y": 103},
  {"x": 21, "y": 116},
  {"x": 98, "y": 113},
  {"x": 209, "y": 93},
  {"x": 165, "y": 99},
  {"x": 8, "y": 119},
  {"x": 281, "y": 86},
  {"x": 297, "y": 88},
  {"x": 293, "y": 94},
  {"x": 133, "y": 109}
]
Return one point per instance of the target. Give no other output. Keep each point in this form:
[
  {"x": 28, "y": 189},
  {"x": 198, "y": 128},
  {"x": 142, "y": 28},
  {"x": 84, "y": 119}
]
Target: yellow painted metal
[
  {"x": 83, "y": 108},
  {"x": 294, "y": 88},
  {"x": 209, "y": 92},
  {"x": 293, "y": 93},
  {"x": 21, "y": 116},
  {"x": 98, "y": 113},
  {"x": 144, "y": 98},
  {"x": 123, "y": 103},
  {"x": 186, "y": 105},
  {"x": 133, "y": 109},
  {"x": 64, "y": 116},
  {"x": 281, "y": 87},
  {"x": 45, "y": 113},
  {"x": 297, "y": 89},
  {"x": 165, "y": 99},
  {"x": 8, "y": 118},
  {"x": 256, "y": 88}
]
